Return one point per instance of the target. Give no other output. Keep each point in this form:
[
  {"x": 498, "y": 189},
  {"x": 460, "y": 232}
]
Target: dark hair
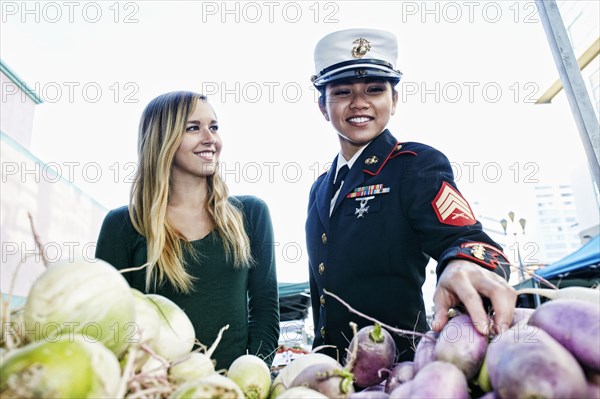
[{"x": 323, "y": 89}]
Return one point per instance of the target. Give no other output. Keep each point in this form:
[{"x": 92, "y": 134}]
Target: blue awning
[
  {"x": 586, "y": 257},
  {"x": 294, "y": 301}
]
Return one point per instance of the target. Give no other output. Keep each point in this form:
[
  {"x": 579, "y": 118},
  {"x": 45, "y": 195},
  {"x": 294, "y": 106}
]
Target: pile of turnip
[
  {"x": 85, "y": 333},
  {"x": 549, "y": 352}
]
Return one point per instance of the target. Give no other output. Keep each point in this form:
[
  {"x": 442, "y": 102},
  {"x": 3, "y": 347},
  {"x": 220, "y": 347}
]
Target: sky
[{"x": 472, "y": 72}]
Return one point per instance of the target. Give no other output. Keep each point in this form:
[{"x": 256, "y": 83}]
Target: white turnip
[
  {"x": 195, "y": 366},
  {"x": 177, "y": 334},
  {"x": 212, "y": 386},
  {"x": 147, "y": 318},
  {"x": 284, "y": 379},
  {"x": 252, "y": 375},
  {"x": 461, "y": 344},
  {"x": 68, "y": 367},
  {"x": 575, "y": 325},
  {"x": 82, "y": 297},
  {"x": 331, "y": 380},
  {"x": 376, "y": 351}
]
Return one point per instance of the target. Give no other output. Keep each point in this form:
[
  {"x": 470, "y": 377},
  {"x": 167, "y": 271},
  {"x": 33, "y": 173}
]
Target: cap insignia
[{"x": 363, "y": 46}]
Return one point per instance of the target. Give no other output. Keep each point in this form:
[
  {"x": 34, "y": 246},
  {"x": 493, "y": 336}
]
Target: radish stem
[
  {"x": 392, "y": 329},
  {"x": 214, "y": 345},
  {"x": 580, "y": 293}
]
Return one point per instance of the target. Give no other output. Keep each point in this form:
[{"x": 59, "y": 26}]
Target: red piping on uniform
[
  {"x": 384, "y": 162},
  {"x": 403, "y": 152}
]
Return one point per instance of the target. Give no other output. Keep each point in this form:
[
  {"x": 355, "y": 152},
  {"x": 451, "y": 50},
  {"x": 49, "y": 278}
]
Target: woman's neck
[
  {"x": 190, "y": 192},
  {"x": 186, "y": 211}
]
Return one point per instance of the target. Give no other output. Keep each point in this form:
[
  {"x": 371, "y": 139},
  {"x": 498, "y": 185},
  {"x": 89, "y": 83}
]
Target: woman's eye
[
  {"x": 192, "y": 128},
  {"x": 341, "y": 93},
  {"x": 375, "y": 89}
]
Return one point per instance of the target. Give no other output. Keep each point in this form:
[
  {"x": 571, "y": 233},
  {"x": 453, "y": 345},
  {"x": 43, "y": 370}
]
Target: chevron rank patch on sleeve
[{"x": 451, "y": 208}]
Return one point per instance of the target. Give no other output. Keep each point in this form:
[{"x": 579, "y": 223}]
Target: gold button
[
  {"x": 322, "y": 300},
  {"x": 324, "y": 238},
  {"x": 321, "y": 268},
  {"x": 322, "y": 332}
]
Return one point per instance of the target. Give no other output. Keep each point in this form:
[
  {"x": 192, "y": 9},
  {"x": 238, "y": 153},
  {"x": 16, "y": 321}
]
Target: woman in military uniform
[{"x": 385, "y": 207}]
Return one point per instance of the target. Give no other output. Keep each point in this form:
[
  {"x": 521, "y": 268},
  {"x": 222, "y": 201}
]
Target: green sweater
[{"x": 245, "y": 298}]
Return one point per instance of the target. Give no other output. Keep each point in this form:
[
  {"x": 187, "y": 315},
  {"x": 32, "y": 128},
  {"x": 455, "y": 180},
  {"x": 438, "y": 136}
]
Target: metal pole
[
  {"x": 536, "y": 297},
  {"x": 521, "y": 267},
  {"x": 570, "y": 75}
]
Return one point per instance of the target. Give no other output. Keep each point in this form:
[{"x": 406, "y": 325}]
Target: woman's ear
[
  {"x": 323, "y": 109},
  {"x": 394, "y": 102}
]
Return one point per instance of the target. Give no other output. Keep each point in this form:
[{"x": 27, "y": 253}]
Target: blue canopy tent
[
  {"x": 583, "y": 263},
  {"x": 580, "y": 268},
  {"x": 294, "y": 301}
]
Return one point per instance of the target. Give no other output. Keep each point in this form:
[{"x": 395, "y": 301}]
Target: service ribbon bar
[{"x": 368, "y": 190}]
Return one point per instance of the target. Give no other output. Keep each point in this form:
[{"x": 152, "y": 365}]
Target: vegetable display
[
  {"x": 549, "y": 352},
  {"x": 84, "y": 333}
]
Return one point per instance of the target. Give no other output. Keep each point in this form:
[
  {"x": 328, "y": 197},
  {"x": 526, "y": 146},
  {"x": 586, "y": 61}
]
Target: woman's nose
[
  {"x": 208, "y": 136},
  {"x": 359, "y": 101}
]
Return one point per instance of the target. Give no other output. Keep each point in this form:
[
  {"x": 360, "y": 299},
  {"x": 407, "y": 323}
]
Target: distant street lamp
[{"x": 522, "y": 223}]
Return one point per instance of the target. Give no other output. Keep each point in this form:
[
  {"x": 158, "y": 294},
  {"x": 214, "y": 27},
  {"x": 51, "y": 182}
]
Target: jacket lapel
[
  {"x": 354, "y": 179},
  {"x": 323, "y": 195},
  {"x": 368, "y": 164}
]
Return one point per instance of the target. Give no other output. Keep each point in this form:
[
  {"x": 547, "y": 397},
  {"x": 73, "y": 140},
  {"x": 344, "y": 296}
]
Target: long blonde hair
[{"x": 161, "y": 130}]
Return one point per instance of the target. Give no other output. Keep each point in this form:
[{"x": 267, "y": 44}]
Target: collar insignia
[{"x": 371, "y": 160}]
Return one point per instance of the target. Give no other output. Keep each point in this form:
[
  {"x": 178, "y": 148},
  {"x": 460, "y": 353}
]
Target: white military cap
[{"x": 356, "y": 53}]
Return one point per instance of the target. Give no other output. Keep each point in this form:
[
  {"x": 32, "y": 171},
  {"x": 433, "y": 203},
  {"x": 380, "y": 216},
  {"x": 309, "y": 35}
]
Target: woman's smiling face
[
  {"x": 198, "y": 153},
  {"x": 359, "y": 110}
]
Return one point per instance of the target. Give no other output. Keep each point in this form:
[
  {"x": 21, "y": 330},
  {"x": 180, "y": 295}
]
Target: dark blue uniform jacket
[{"x": 398, "y": 206}]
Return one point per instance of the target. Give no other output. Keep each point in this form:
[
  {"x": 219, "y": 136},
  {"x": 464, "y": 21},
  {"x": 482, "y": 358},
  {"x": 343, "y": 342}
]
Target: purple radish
[
  {"x": 375, "y": 388},
  {"x": 369, "y": 395},
  {"x": 331, "y": 380},
  {"x": 436, "y": 380},
  {"x": 497, "y": 346},
  {"x": 526, "y": 362},
  {"x": 489, "y": 395},
  {"x": 401, "y": 391},
  {"x": 521, "y": 314},
  {"x": 401, "y": 372},
  {"x": 575, "y": 325},
  {"x": 593, "y": 390},
  {"x": 375, "y": 353},
  {"x": 461, "y": 344},
  {"x": 424, "y": 353}
]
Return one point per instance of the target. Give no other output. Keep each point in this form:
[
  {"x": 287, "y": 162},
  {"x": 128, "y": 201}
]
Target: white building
[
  {"x": 66, "y": 219},
  {"x": 557, "y": 221}
]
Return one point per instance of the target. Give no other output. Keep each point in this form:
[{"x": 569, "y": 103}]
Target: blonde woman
[{"x": 210, "y": 253}]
